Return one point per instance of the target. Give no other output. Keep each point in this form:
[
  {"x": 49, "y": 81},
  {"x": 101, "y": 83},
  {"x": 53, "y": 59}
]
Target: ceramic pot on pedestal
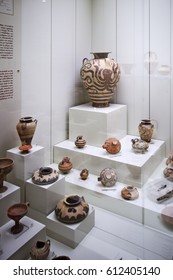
[
  {"x": 100, "y": 76},
  {"x": 108, "y": 177},
  {"x": 26, "y": 129},
  {"x": 146, "y": 128},
  {"x": 72, "y": 209}
]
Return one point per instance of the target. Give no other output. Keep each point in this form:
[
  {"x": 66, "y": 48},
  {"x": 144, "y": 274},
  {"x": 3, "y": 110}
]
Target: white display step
[
  {"x": 106, "y": 198},
  {"x": 131, "y": 167},
  {"x": 8, "y": 198},
  {"x": 97, "y": 124},
  {"x": 25, "y": 164},
  {"x": 48, "y": 194},
  {"x": 17, "y": 246},
  {"x": 145, "y": 209},
  {"x": 70, "y": 234}
]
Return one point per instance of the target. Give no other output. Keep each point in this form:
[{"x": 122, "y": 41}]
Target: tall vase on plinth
[
  {"x": 26, "y": 129},
  {"x": 100, "y": 76}
]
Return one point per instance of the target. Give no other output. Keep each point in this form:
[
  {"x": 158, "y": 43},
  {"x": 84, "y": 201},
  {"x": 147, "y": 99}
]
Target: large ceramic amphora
[
  {"x": 26, "y": 129},
  {"x": 100, "y": 76},
  {"x": 146, "y": 129}
]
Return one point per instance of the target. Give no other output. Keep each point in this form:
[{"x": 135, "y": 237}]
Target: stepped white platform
[
  {"x": 17, "y": 247},
  {"x": 97, "y": 124},
  {"x": 131, "y": 167}
]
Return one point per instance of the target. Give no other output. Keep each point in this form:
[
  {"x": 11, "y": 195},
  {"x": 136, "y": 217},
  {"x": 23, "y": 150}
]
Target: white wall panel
[
  {"x": 36, "y": 68},
  {"x": 10, "y": 108},
  {"x": 131, "y": 46},
  {"x": 160, "y": 86}
]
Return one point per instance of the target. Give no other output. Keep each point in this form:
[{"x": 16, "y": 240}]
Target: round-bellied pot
[
  {"x": 80, "y": 142},
  {"x": 65, "y": 165},
  {"x": 6, "y": 166},
  {"x": 84, "y": 174},
  {"x": 45, "y": 176},
  {"x": 40, "y": 250},
  {"x": 26, "y": 129},
  {"x": 72, "y": 209},
  {"x": 146, "y": 128},
  {"x": 100, "y": 76},
  {"x": 129, "y": 192},
  {"x": 108, "y": 177},
  {"x": 112, "y": 145}
]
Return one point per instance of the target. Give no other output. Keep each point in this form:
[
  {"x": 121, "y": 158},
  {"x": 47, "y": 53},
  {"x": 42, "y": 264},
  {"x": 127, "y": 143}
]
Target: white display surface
[
  {"x": 70, "y": 234},
  {"x": 131, "y": 167},
  {"x": 18, "y": 246},
  {"x": 26, "y": 163},
  {"x": 106, "y": 122}
]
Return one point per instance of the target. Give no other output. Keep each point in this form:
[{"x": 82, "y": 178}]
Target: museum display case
[{"x": 97, "y": 178}]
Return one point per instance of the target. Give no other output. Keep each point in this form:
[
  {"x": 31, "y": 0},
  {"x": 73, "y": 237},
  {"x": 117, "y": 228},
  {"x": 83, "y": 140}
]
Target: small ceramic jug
[
  {"x": 146, "y": 128},
  {"x": 80, "y": 142}
]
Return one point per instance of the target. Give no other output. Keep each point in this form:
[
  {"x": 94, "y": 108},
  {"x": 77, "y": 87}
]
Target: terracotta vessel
[
  {"x": 168, "y": 171},
  {"x": 65, "y": 165},
  {"x": 40, "y": 250},
  {"x": 108, "y": 177},
  {"x": 129, "y": 193},
  {"x": 80, "y": 142},
  {"x": 17, "y": 212},
  {"x": 45, "y": 176},
  {"x": 84, "y": 174},
  {"x": 146, "y": 128},
  {"x": 72, "y": 209},
  {"x": 26, "y": 129},
  {"x": 100, "y": 76},
  {"x": 139, "y": 145},
  {"x": 6, "y": 166},
  {"x": 112, "y": 145}
]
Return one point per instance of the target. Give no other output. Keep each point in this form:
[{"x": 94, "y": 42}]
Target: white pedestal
[
  {"x": 70, "y": 235},
  {"x": 43, "y": 198},
  {"x": 24, "y": 166},
  {"x": 97, "y": 124},
  {"x": 131, "y": 167},
  {"x": 17, "y": 247},
  {"x": 8, "y": 198},
  {"x": 106, "y": 198}
]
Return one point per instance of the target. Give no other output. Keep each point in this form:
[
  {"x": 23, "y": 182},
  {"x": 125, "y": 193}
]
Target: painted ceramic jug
[
  {"x": 26, "y": 129},
  {"x": 146, "y": 128}
]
